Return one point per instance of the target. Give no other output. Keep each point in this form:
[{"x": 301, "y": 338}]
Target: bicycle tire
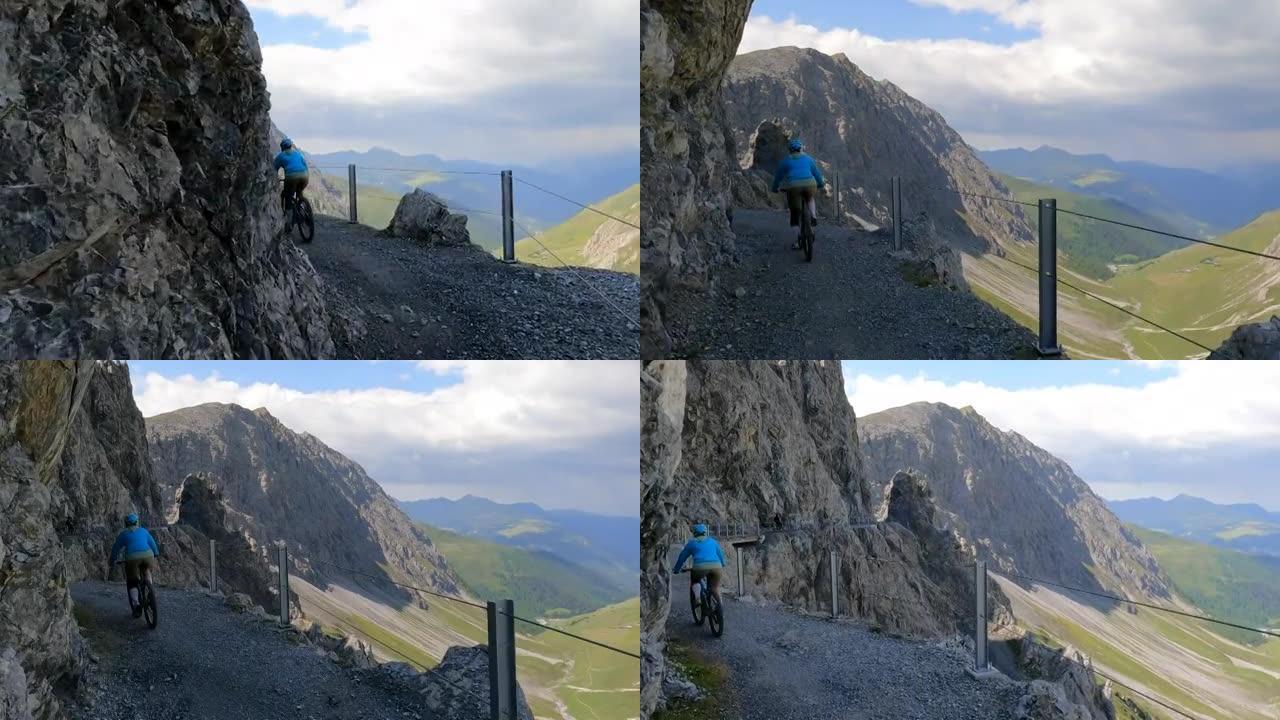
[
  {"x": 698, "y": 614},
  {"x": 715, "y": 618},
  {"x": 305, "y": 220},
  {"x": 806, "y": 235},
  {"x": 149, "y": 611}
]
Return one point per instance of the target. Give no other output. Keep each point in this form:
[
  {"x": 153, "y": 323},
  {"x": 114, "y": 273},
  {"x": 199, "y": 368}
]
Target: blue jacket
[
  {"x": 292, "y": 162},
  {"x": 704, "y": 550},
  {"x": 134, "y": 540},
  {"x": 796, "y": 169}
]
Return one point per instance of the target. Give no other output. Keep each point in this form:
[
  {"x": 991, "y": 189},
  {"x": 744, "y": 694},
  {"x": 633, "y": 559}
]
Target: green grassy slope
[
  {"x": 568, "y": 239},
  {"x": 1090, "y": 247},
  {"x": 1226, "y": 584},
  {"x": 540, "y": 583}
]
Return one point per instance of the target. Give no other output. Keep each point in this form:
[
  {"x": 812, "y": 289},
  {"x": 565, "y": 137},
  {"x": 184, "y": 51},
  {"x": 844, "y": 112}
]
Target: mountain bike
[
  {"x": 707, "y": 606},
  {"x": 146, "y": 598},
  {"x": 806, "y": 234},
  {"x": 298, "y": 213}
]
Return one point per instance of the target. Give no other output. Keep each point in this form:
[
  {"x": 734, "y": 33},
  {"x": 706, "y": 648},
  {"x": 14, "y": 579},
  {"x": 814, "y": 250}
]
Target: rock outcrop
[
  {"x": 282, "y": 485},
  {"x": 869, "y": 131},
  {"x": 1019, "y": 507},
  {"x": 775, "y": 443},
  {"x": 1259, "y": 341},
  {"x": 457, "y": 688},
  {"x": 425, "y": 217},
  {"x": 1062, "y": 685},
  {"x": 614, "y": 246},
  {"x": 138, "y": 214},
  {"x": 685, "y": 49}
]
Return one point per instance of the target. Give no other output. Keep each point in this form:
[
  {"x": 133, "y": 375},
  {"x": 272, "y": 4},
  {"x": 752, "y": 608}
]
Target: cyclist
[
  {"x": 799, "y": 176},
  {"x": 294, "y": 165},
  {"x": 139, "y": 551},
  {"x": 708, "y": 561}
]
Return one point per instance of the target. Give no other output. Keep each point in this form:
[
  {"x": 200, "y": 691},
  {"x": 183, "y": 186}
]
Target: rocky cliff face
[
  {"x": 776, "y": 443},
  {"x": 685, "y": 48},
  {"x": 614, "y": 245},
  {"x": 869, "y": 131},
  {"x": 1018, "y": 506},
  {"x": 280, "y": 485},
  {"x": 1257, "y": 341},
  {"x": 73, "y": 462},
  {"x": 138, "y": 213}
]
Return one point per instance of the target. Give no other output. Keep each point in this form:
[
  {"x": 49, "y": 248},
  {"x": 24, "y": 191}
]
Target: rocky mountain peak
[{"x": 1020, "y": 507}]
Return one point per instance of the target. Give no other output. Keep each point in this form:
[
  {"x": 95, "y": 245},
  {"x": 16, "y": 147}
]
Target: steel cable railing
[
  {"x": 1093, "y": 296},
  {"x": 630, "y": 323},
  {"x": 413, "y": 170},
  {"x": 575, "y": 202}
]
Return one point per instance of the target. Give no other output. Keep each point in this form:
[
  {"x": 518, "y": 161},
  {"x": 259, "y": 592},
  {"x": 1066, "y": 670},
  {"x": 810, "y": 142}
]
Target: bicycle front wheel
[{"x": 715, "y": 617}]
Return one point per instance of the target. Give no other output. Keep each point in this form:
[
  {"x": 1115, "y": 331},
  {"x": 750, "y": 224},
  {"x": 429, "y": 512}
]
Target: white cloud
[
  {"x": 553, "y": 75},
  {"x": 1172, "y": 81},
  {"x": 561, "y": 434},
  {"x": 1201, "y": 406}
]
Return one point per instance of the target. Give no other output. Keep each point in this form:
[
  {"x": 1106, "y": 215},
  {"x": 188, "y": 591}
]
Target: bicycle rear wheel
[
  {"x": 715, "y": 616},
  {"x": 697, "y": 609},
  {"x": 305, "y": 220},
  {"x": 806, "y": 235},
  {"x": 148, "y": 598}
]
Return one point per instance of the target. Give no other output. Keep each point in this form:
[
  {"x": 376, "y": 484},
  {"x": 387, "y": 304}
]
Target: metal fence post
[
  {"x": 981, "y": 665},
  {"x": 213, "y": 566},
  {"x": 897, "y": 213},
  {"x": 502, "y": 660},
  {"x": 1049, "y": 278},
  {"x": 508, "y": 220},
  {"x": 737, "y": 551},
  {"x": 284, "y": 583},
  {"x": 351, "y": 191},
  {"x": 835, "y": 576}
]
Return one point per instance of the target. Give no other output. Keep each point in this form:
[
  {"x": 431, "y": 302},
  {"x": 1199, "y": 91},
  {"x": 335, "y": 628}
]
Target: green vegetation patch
[
  {"x": 568, "y": 239},
  {"x": 404, "y": 650},
  {"x": 707, "y": 673}
]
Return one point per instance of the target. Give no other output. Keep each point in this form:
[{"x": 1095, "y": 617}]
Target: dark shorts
[
  {"x": 712, "y": 574},
  {"x": 293, "y": 185},
  {"x": 796, "y": 199},
  {"x": 134, "y": 568}
]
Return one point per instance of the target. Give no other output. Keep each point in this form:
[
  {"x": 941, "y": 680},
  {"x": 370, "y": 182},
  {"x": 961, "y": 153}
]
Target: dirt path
[
  {"x": 851, "y": 302},
  {"x": 207, "y": 662},
  {"x": 396, "y": 298},
  {"x": 787, "y": 666}
]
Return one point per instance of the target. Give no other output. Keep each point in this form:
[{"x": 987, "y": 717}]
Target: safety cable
[
  {"x": 575, "y": 202},
  {"x": 630, "y": 322},
  {"x": 977, "y": 195},
  {"x": 1139, "y": 603},
  {"x": 1172, "y": 235},
  {"x": 1104, "y": 301},
  {"x": 417, "y": 170},
  {"x": 477, "y": 605}
]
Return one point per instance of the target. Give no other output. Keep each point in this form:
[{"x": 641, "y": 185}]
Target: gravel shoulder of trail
[
  {"x": 851, "y": 302},
  {"x": 398, "y": 298},
  {"x": 206, "y": 662},
  {"x": 783, "y": 665}
]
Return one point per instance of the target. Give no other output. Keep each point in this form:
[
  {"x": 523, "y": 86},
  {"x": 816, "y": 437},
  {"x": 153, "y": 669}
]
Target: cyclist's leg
[
  {"x": 302, "y": 185},
  {"x": 131, "y": 568},
  {"x": 713, "y": 579},
  {"x": 811, "y": 204},
  {"x": 284, "y": 197},
  {"x": 694, "y": 577},
  {"x": 793, "y": 204}
]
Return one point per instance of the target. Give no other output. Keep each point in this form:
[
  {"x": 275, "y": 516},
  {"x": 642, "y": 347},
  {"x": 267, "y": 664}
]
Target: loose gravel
[
  {"x": 851, "y": 302},
  {"x": 398, "y": 298},
  {"x": 206, "y": 662},
  {"x": 783, "y": 665}
]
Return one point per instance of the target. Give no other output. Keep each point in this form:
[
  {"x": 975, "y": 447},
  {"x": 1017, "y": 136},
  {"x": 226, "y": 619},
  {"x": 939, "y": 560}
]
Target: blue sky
[
  {"x": 1194, "y": 87},
  {"x": 485, "y": 80},
  {"x": 896, "y": 19},
  {"x": 1129, "y": 429},
  {"x": 559, "y": 434}
]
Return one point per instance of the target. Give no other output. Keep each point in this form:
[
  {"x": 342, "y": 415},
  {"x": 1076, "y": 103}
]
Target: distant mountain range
[
  {"x": 604, "y": 544},
  {"x": 1242, "y": 526},
  {"x": 1193, "y": 200},
  {"x": 588, "y": 182}
]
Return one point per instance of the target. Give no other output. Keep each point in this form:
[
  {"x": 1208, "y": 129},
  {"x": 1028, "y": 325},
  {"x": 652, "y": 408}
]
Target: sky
[
  {"x": 562, "y": 434},
  {"x": 1175, "y": 82},
  {"x": 1128, "y": 428},
  {"x": 488, "y": 80}
]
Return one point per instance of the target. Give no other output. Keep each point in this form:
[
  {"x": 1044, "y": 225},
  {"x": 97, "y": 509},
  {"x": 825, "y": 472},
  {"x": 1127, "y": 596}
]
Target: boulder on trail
[
  {"x": 424, "y": 216},
  {"x": 239, "y": 602},
  {"x": 139, "y": 216},
  {"x": 1259, "y": 341},
  {"x": 457, "y": 688}
]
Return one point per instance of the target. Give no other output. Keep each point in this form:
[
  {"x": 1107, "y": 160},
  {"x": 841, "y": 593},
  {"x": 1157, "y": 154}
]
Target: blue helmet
[
  {"x": 286, "y": 143},
  {"x": 699, "y": 529},
  {"x": 131, "y": 519},
  {"x": 796, "y": 145}
]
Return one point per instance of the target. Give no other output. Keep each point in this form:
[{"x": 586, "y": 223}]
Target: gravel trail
[
  {"x": 851, "y": 302},
  {"x": 787, "y": 666},
  {"x": 206, "y": 662},
  {"x": 397, "y": 298}
]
